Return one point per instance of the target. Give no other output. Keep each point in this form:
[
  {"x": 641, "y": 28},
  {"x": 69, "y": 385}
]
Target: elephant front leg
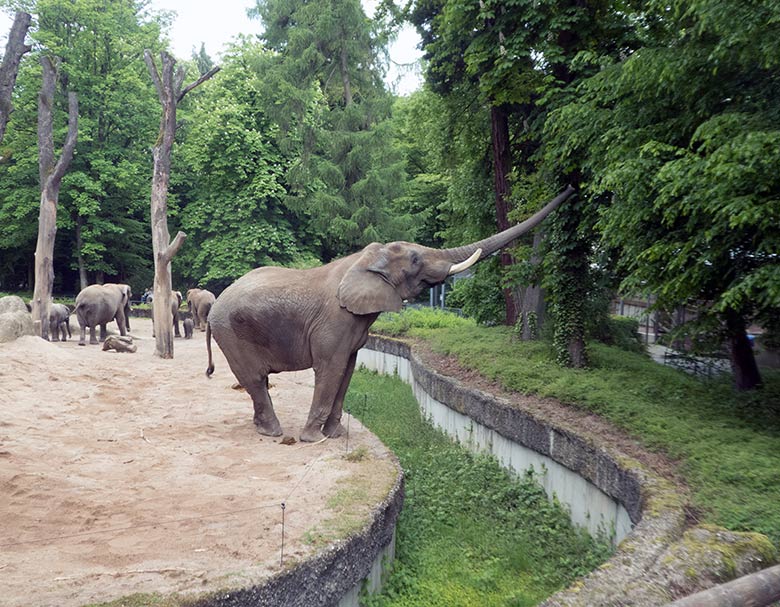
[
  {"x": 333, "y": 427},
  {"x": 327, "y": 383},
  {"x": 103, "y": 334}
]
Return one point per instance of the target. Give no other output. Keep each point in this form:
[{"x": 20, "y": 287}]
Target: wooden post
[
  {"x": 168, "y": 83},
  {"x": 51, "y": 174}
]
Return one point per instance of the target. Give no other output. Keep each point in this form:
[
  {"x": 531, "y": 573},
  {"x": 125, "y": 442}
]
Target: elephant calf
[
  {"x": 59, "y": 322},
  {"x": 189, "y": 326}
]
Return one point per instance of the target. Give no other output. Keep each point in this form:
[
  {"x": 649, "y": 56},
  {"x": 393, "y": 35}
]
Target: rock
[
  {"x": 14, "y": 324},
  {"x": 12, "y": 303},
  {"x": 119, "y": 343}
]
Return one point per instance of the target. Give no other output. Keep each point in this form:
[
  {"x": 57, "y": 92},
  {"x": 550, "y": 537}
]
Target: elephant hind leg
[{"x": 333, "y": 427}]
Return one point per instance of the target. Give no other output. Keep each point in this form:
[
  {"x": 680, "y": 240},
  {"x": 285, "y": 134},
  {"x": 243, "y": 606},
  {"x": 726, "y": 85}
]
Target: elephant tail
[{"x": 210, "y": 368}]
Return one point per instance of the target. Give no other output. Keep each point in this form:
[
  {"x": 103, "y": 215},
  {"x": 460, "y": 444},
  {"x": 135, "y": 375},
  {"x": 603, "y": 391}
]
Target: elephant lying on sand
[
  {"x": 59, "y": 322},
  {"x": 99, "y": 305},
  {"x": 280, "y": 319}
]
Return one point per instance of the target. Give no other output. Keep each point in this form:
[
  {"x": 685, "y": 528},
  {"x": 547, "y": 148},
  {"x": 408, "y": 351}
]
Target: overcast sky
[{"x": 216, "y": 23}]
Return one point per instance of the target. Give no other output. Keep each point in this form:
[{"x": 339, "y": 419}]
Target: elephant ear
[{"x": 365, "y": 289}]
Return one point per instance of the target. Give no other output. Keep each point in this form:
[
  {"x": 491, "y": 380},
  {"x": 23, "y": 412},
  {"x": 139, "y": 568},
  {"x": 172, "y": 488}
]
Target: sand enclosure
[{"x": 125, "y": 473}]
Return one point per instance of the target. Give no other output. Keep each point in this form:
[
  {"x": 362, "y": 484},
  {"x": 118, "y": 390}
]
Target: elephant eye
[{"x": 415, "y": 259}]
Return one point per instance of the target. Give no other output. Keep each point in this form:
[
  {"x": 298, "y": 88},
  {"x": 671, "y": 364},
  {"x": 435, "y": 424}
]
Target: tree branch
[
  {"x": 198, "y": 82},
  {"x": 70, "y": 142},
  {"x": 14, "y": 49},
  {"x": 154, "y": 74},
  {"x": 173, "y": 248}
]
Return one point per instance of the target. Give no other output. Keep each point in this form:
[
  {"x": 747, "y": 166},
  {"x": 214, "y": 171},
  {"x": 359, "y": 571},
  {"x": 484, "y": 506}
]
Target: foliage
[
  {"x": 399, "y": 323},
  {"x": 230, "y": 182},
  {"x": 728, "y": 443},
  {"x": 469, "y": 533},
  {"x": 480, "y": 295},
  {"x": 103, "y": 217}
]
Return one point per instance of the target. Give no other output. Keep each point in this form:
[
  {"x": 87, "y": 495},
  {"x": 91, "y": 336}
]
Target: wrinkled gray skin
[
  {"x": 280, "y": 319},
  {"x": 59, "y": 322},
  {"x": 199, "y": 302},
  {"x": 175, "y": 303},
  {"x": 97, "y": 305},
  {"x": 189, "y": 326}
]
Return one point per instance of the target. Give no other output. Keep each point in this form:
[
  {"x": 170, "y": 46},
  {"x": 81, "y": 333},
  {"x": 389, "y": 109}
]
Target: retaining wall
[{"x": 659, "y": 556}]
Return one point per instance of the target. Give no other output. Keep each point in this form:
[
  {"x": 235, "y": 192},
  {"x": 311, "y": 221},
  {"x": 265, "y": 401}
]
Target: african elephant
[
  {"x": 276, "y": 319},
  {"x": 99, "y": 305},
  {"x": 199, "y": 302},
  {"x": 59, "y": 322},
  {"x": 175, "y": 304},
  {"x": 188, "y": 326}
]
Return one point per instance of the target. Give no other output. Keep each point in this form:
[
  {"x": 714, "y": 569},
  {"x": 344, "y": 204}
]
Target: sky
[{"x": 198, "y": 22}]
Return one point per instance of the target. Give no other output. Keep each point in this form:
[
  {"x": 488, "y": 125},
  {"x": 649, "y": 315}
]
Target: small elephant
[
  {"x": 99, "y": 305},
  {"x": 276, "y": 319},
  {"x": 199, "y": 302},
  {"x": 188, "y": 328},
  {"x": 59, "y": 322},
  {"x": 175, "y": 303}
]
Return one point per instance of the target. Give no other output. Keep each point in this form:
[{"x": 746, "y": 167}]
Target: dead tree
[
  {"x": 14, "y": 49},
  {"x": 51, "y": 174},
  {"x": 169, "y": 90}
]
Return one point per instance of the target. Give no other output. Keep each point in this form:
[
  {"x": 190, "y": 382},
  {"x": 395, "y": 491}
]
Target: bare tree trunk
[
  {"x": 169, "y": 90},
  {"x": 14, "y": 49},
  {"x": 83, "y": 281},
  {"x": 51, "y": 174}
]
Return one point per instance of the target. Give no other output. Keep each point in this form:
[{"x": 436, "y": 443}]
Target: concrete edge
[{"x": 334, "y": 576}]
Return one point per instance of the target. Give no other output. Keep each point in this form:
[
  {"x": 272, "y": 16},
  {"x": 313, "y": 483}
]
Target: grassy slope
[
  {"x": 728, "y": 443},
  {"x": 468, "y": 534}
]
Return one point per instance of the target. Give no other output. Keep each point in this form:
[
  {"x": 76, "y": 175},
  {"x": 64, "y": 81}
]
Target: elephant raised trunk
[{"x": 475, "y": 251}]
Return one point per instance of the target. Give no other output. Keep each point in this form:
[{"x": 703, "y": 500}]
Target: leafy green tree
[
  {"x": 682, "y": 137},
  {"x": 333, "y": 110},
  {"x": 233, "y": 197}
]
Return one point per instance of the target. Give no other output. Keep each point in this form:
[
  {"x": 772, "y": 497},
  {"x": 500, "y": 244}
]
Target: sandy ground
[{"x": 125, "y": 473}]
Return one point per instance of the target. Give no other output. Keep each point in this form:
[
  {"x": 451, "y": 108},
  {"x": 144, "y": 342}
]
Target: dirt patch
[{"x": 125, "y": 473}]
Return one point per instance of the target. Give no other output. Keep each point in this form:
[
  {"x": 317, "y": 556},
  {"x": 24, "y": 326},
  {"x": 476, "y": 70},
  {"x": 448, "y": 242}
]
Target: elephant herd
[{"x": 98, "y": 305}]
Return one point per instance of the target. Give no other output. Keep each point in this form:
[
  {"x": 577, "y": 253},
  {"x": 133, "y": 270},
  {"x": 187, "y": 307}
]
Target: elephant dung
[{"x": 120, "y": 343}]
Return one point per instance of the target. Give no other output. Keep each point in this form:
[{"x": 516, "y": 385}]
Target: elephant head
[{"x": 384, "y": 275}]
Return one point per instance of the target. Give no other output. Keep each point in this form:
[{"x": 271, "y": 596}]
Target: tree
[
  {"x": 681, "y": 137},
  {"x": 14, "y": 49},
  {"x": 170, "y": 92},
  {"x": 334, "y": 111},
  {"x": 231, "y": 179},
  {"x": 51, "y": 174}
]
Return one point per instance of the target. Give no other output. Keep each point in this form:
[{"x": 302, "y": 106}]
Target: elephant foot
[
  {"x": 311, "y": 435},
  {"x": 273, "y": 428},
  {"x": 334, "y": 430}
]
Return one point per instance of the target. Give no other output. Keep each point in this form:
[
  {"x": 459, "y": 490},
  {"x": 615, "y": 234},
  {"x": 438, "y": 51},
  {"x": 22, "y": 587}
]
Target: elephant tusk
[{"x": 459, "y": 267}]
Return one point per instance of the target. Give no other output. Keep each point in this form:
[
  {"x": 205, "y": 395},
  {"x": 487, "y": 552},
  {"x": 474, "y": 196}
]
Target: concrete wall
[{"x": 519, "y": 443}]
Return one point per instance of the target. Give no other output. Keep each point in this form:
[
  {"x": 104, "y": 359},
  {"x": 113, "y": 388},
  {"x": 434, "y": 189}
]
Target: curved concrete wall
[
  {"x": 659, "y": 556},
  {"x": 589, "y": 485}
]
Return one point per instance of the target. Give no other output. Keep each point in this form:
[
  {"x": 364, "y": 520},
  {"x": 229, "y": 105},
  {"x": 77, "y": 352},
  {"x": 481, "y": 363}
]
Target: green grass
[
  {"x": 469, "y": 533},
  {"x": 728, "y": 443}
]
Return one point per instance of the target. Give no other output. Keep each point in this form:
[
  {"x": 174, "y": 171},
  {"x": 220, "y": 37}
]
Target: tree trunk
[
  {"x": 530, "y": 299},
  {"x": 83, "y": 281},
  {"x": 51, "y": 174},
  {"x": 743, "y": 361},
  {"x": 345, "y": 77},
  {"x": 502, "y": 163},
  {"x": 170, "y": 92},
  {"x": 14, "y": 49}
]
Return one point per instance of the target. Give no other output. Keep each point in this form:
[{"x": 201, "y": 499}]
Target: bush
[{"x": 621, "y": 332}]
